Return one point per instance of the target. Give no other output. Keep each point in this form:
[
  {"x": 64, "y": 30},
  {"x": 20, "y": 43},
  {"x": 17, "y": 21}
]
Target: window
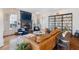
[
  {"x": 13, "y": 21},
  {"x": 62, "y": 21}
]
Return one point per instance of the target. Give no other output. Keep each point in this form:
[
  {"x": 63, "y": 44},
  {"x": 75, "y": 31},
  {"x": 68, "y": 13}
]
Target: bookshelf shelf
[{"x": 61, "y": 21}]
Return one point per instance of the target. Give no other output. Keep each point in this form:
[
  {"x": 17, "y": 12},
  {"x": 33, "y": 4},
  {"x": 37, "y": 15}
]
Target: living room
[{"x": 41, "y": 27}]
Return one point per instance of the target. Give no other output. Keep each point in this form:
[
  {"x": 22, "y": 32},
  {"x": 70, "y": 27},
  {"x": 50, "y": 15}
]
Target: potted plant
[{"x": 24, "y": 46}]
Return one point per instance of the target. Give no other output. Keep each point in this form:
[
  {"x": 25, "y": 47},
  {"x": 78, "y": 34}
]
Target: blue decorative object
[
  {"x": 77, "y": 33},
  {"x": 23, "y": 31}
]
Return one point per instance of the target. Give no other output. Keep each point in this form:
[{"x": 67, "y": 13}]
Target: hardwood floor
[
  {"x": 74, "y": 43},
  {"x": 6, "y": 42}
]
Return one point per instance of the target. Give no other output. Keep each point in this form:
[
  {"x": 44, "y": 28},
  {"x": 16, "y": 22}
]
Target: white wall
[
  {"x": 7, "y": 12},
  {"x": 74, "y": 11},
  {"x": 1, "y": 28},
  {"x": 43, "y": 19},
  {"x": 44, "y": 22}
]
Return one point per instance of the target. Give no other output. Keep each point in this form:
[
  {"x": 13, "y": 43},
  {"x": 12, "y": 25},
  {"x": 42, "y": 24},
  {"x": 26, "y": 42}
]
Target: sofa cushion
[
  {"x": 53, "y": 32},
  {"x": 45, "y": 37},
  {"x": 42, "y": 38}
]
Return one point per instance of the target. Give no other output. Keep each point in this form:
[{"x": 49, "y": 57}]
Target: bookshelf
[{"x": 61, "y": 21}]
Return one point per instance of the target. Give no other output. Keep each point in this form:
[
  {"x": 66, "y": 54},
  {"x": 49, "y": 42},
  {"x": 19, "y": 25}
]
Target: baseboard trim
[{"x": 8, "y": 35}]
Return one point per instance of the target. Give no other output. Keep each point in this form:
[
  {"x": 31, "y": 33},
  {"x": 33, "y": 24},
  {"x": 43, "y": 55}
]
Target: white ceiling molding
[{"x": 40, "y": 10}]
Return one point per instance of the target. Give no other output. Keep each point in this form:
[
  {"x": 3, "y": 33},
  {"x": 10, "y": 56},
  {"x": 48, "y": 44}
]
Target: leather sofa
[{"x": 47, "y": 42}]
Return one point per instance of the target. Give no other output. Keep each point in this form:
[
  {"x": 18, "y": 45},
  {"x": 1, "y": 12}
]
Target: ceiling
[{"x": 34, "y": 10}]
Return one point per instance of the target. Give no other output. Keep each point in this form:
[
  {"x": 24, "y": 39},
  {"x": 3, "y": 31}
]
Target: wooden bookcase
[{"x": 61, "y": 21}]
